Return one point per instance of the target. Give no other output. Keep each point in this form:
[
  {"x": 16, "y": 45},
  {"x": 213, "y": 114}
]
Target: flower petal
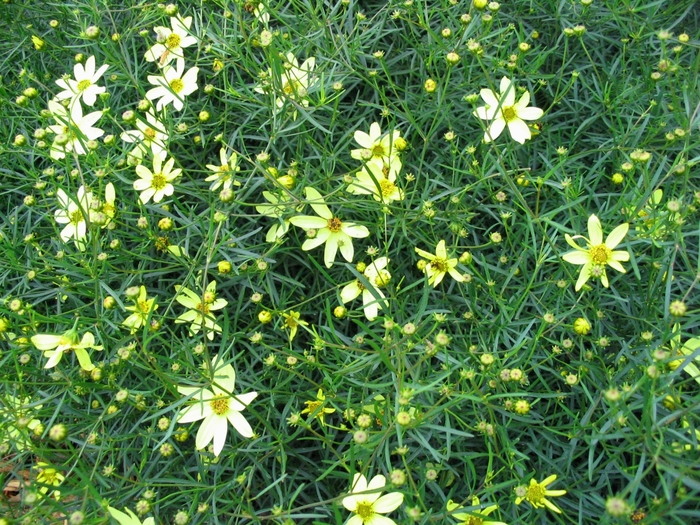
[
  {"x": 388, "y": 502},
  {"x": 595, "y": 231},
  {"x": 616, "y": 236},
  {"x": 519, "y": 131},
  {"x": 240, "y": 423}
]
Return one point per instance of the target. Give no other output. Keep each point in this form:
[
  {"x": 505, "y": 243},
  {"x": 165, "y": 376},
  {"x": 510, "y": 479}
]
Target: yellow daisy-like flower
[
  {"x": 502, "y": 110},
  {"x": 536, "y": 494},
  {"x": 439, "y": 265},
  {"x": 223, "y": 174},
  {"x": 292, "y": 320},
  {"x": 141, "y": 311},
  {"x": 377, "y": 275},
  {"x": 368, "y": 504},
  {"x": 276, "y": 209},
  {"x": 316, "y": 409},
  {"x": 200, "y": 309},
  {"x": 479, "y": 517},
  {"x": 54, "y": 346},
  {"x": 682, "y": 350},
  {"x": 379, "y": 180},
  {"x": 598, "y": 254},
  {"x": 330, "y": 229},
  {"x": 156, "y": 184},
  {"x": 128, "y": 519},
  {"x": 217, "y": 406},
  {"x": 49, "y": 477}
]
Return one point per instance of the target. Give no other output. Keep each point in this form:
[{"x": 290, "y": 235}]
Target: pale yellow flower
[
  {"x": 73, "y": 128},
  {"x": 142, "y": 309},
  {"x": 316, "y": 407},
  {"x": 172, "y": 86},
  {"x": 156, "y": 183},
  {"x": 171, "y": 41},
  {"x": 200, "y": 309},
  {"x": 502, "y": 110},
  {"x": 217, "y": 406},
  {"x": 292, "y": 321},
  {"x": 378, "y": 180},
  {"x": 598, "y": 254},
  {"x": 84, "y": 85},
  {"x": 48, "y": 477},
  {"x": 439, "y": 265},
  {"x": 474, "y": 517},
  {"x": 378, "y": 277},
  {"x": 367, "y": 504},
  {"x": 330, "y": 229},
  {"x": 536, "y": 494},
  {"x": 54, "y": 346},
  {"x": 224, "y": 174},
  {"x": 128, "y": 519}
]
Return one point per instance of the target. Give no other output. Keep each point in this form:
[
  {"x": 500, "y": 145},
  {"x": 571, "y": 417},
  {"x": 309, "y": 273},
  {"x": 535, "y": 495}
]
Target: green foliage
[{"x": 467, "y": 388}]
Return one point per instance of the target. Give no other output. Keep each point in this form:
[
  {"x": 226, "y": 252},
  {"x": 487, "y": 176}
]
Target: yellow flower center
[
  {"x": 600, "y": 254},
  {"x": 48, "y": 476},
  {"x": 203, "y": 307},
  {"x": 334, "y": 224},
  {"x": 439, "y": 264},
  {"x": 365, "y": 511},
  {"x": 83, "y": 85},
  {"x": 173, "y": 41},
  {"x": 509, "y": 113},
  {"x": 149, "y": 133},
  {"x": 108, "y": 209},
  {"x": 291, "y": 321},
  {"x": 219, "y": 405},
  {"x": 387, "y": 187},
  {"x": 378, "y": 150},
  {"x": 224, "y": 168},
  {"x": 143, "y": 306},
  {"x": 360, "y": 285},
  {"x": 76, "y": 217},
  {"x": 382, "y": 279},
  {"x": 176, "y": 85},
  {"x": 159, "y": 181},
  {"x": 294, "y": 88},
  {"x": 312, "y": 406},
  {"x": 535, "y": 494}
]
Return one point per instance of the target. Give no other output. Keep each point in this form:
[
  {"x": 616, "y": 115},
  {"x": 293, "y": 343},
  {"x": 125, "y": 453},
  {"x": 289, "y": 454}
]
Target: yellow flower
[
  {"x": 142, "y": 310},
  {"x": 330, "y": 229},
  {"x": 379, "y": 180},
  {"x": 473, "y": 517},
  {"x": 128, "y": 519},
  {"x": 223, "y": 174},
  {"x": 49, "y": 477},
  {"x": 367, "y": 503},
  {"x": 439, "y": 265},
  {"x": 373, "y": 299},
  {"x": 536, "y": 494},
  {"x": 217, "y": 406},
  {"x": 156, "y": 183},
  {"x": 598, "y": 254},
  {"x": 316, "y": 409},
  {"x": 54, "y": 346},
  {"x": 292, "y": 321},
  {"x": 200, "y": 309},
  {"x": 502, "y": 110},
  {"x": 690, "y": 347}
]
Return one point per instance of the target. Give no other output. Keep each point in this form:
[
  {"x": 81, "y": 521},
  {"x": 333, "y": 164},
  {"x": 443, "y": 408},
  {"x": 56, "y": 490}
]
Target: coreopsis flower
[
  {"x": 598, "y": 254},
  {"x": 128, "y": 519},
  {"x": 17, "y": 415},
  {"x": 536, "y": 494},
  {"x": 172, "y": 86},
  {"x": 223, "y": 174},
  {"x": 439, "y": 265},
  {"x": 293, "y": 84},
  {"x": 502, "y": 110},
  {"x": 74, "y": 214},
  {"x": 150, "y": 135},
  {"x": 316, "y": 407},
  {"x": 476, "y": 517},
  {"x": 54, "y": 346},
  {"x": 73, "y": 129},
  {"x": 292, "y": 320},
  {"x": 329, "y": 229},
  {"x": 171, "y": 41},
  {"x": 276, "y": 208},
  {"x": 48, "y": 477},
  {"x": 109, "y": 207},
  {"x": 217, "y": 406},
  {"x": 142, "y": 309},
  {"x": 378, "y": 277},
  {"x": 681, "y": 351},
  {"x": 367, "y": 503},
  {"x": 378, "y": 180},
  {"x": 200, "y": 309},
  {"x": 376, "y": 146},
  {"x": 156, "y": 183},
  {"x": 84, "y": 85}
]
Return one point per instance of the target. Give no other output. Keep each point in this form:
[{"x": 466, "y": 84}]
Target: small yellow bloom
[
  {"x": 316, "y": 409},
  {"x": 141, "y": 311},
  {"x": 292, "y": 320},
  {"x": 536, "y": 494},
  {"x": 439, "y": 265},
  {"x": 49, "y": 477},
  {"x": 475, "y": 517},
  {"x": 598, "y": 254},
  {"x": 38, "y": 43}
]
